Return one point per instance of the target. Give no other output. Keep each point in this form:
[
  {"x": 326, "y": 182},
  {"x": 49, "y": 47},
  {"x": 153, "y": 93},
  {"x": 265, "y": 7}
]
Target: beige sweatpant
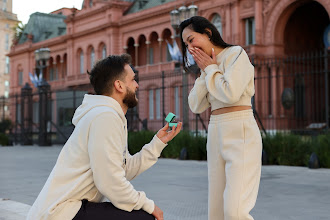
[{"x": 234, "y": 148}]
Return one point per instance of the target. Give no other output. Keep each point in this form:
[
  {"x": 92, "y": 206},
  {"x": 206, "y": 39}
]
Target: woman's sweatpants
[
  {"x": 234, "y": 148},
  {"x": 107, "y": 211}
]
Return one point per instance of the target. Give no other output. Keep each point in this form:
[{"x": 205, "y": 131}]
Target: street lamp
[
  {"x": 183, "y": 13},
  {"x": 42, "y": 56},
  {"x": 177, "y": 16}
]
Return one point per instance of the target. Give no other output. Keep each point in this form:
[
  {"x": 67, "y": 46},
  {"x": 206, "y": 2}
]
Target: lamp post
[
  {"x": 177, "y": 16},
  {"x": 183, "y": 13},
  {"x": 42, "y": 56}
]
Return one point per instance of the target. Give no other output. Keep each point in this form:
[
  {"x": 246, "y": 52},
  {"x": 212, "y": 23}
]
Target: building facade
[
  {"x": 8, "y": 22},
  {"x": 269, "y": 30}
]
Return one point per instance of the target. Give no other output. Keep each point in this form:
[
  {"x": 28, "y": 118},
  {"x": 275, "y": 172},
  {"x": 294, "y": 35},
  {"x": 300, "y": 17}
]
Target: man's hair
[{"x": 105, "y": 72}]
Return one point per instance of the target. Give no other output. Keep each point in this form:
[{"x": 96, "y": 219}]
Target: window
[
  {"x": 151, "y": 55},
  {"x": 6, "y": 85},
  {"x": 177, "y": 101},
  {"x": 151, "y": 104},
  {"x": 51, "y": 74},
  {"x": 92, "y": 58},
  {"x": 7, "y": 26},
  {"x": 6, "y": 108},
  {"x": 18, "y": 113},
  {"x": 168, "y": 55},
  {"x": 6, "y": 89},
  {"x": 104, "y": 52},
  {"x": 81, "y": 62},
  {"x": 20, "y": 78},
  {"x": 158, "y": 114},
  {"x": 216, "y": 20},
  {"x": 250, "y": 31},
  {"x": 7, "y": 65},
  {"x": 7, "y": 42},
  {"x": 56, "y": 73},
  {"x": 4, "y": 5},
  {"x": 90, "y": 3}
]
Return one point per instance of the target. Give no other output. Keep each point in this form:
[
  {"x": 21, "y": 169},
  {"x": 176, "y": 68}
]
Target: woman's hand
[{"x": 201, "y": 58}]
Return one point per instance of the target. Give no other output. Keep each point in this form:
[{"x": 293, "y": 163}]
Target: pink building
[{"x": 271, "y": 31}]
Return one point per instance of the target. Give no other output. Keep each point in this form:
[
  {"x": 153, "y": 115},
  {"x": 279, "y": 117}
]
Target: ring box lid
[{"x": 170, "y": 117}]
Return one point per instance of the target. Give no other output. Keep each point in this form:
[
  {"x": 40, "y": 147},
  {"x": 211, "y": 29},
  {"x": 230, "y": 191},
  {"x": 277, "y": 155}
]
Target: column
[
  {"x": 160, "y": 40},
  {"x": 236, "y": 18},
  {"x": 228, "y": 24},
  {"x": 136, "y": 54},
  {"x": 148, "y": 46},
  {"x": 258, "y": 21},
  {"x": 125, "y": 49}
]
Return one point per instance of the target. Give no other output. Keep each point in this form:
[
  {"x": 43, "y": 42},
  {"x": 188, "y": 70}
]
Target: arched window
[
  {"x": 104, "y": 52},
  {"x": 216, "y": 20},
  {"x": 92, "y": 58},
  {"x": 81, "y": 62}
]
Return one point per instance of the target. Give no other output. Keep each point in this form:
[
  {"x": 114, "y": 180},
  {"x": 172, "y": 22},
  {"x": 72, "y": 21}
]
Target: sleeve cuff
[
  {"x": 211, "y": 68},
  {"x": 158, "y": 146},
  {"x": 149, "y": 206}
]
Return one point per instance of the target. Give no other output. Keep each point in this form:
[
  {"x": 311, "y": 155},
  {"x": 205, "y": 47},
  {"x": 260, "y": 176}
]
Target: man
[{"x": 95, "y": 163}]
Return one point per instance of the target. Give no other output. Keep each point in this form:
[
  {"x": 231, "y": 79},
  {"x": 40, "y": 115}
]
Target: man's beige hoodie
[{"x": 95, "y": 164}]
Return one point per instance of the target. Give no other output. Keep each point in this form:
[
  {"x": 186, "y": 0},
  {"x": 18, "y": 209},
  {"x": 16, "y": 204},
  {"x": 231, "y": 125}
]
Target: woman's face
[{"x": 194, "y": 39}]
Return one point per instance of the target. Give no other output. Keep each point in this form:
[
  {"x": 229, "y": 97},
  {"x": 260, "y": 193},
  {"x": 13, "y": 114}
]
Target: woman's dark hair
[
  {"x": 200, "y": 24},
  {"x": 107, "y": 71}
]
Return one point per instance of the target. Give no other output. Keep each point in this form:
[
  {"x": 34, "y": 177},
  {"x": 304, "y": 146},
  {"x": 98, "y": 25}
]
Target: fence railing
[{"x": 292, "y": 95}]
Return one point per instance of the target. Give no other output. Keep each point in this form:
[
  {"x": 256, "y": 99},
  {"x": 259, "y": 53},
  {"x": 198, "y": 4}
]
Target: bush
[
  {"x": 136, "y": 140},
  {"x": 281, "y": 149},
  {"x": 196, "y": 146},
  {"x": 4, "y": 140},
  {"x": 322, "y": 150},
  {"x": 5, "y": 125},
  {"x": 287, "y": 149}
]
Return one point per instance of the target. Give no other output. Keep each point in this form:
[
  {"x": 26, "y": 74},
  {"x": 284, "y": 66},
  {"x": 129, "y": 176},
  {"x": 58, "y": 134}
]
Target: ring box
[
  {"x": 173, "y": 124},
  {"x": 169, "y": 118}
]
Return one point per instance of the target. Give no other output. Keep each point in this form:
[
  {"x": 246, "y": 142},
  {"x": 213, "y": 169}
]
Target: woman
[{"x": 234, "y": 142}]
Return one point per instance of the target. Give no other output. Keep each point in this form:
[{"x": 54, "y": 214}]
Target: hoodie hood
[{"x": 93, "y": 101}]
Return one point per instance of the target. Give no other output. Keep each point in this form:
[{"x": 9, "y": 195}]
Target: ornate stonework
[
  {"x": 267, "y": 6},
  {"x": 247, "y": 4}
]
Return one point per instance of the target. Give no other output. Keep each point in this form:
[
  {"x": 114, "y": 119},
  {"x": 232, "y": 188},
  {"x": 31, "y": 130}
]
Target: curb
[{"x": 11, "y": 210}]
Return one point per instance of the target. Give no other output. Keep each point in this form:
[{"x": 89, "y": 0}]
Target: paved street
[{"x": 178, "y": 187}]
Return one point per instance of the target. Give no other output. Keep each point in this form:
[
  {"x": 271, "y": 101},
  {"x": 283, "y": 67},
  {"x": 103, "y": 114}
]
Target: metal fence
[
  {"x": 292, "y": 95},
  {"x": 292, "y": 92}
]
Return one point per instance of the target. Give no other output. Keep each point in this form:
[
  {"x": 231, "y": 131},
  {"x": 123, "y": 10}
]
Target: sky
[{"x": 24, "y": 8}]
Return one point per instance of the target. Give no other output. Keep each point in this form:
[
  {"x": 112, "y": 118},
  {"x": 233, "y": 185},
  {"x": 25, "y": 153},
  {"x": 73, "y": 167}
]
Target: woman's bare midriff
[{"x": 220, "y": 111}]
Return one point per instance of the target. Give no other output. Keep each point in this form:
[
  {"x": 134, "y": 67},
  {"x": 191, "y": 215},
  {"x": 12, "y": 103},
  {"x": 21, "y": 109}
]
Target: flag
[
  {"x": 32, "y": 78},
  {"x": 177, "y": 51},
  {"x": 190, "y": 59}
]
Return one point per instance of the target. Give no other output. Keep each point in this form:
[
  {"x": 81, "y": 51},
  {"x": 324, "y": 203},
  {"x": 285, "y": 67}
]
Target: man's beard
[{"x": 130, "y": 99}]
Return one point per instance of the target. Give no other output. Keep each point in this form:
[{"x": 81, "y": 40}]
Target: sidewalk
[{"x": 179, "y": 188}]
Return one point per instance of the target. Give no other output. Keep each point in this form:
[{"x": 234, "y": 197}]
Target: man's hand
[
  {"x": 165, "y": 136},
  {"x": 158, "y": 213}
]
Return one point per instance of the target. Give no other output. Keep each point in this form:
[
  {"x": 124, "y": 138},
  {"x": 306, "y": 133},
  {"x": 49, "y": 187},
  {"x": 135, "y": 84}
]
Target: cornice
[
  {"x": 150, "y": 12},
  {"x": 61, "y": 39},
  {"x": 107, "y": 5}
]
